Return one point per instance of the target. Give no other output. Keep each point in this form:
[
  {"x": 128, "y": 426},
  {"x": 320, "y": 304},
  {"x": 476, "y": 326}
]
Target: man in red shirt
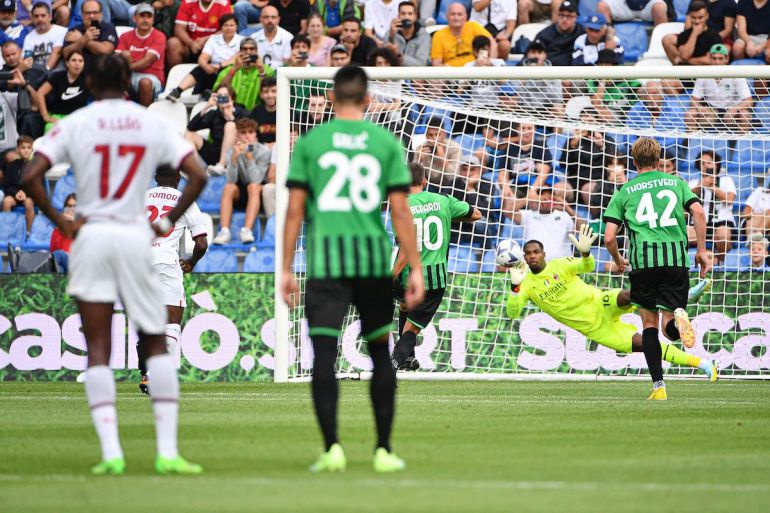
[
  {"x": 145, "y": 48},
  {"x": 196, "y": 21}
]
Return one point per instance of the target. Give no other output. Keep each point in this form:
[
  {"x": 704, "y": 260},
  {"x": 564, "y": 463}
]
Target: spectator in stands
[
  {"x": 483, "y": 93},
  {"x": 494, "y": 146},
  {"x": 17, "y": 112},
  {"x": 64, "y": 92},
  {"x": 538, "y": 95},
  {"x": 220, "y": 51},
  {"x": 720, "y": 103},
  {"x": 247, "y": 163},
  {"x": 452, "y": 45},
  {"x": 247, "y": 11},
  {"x": 612, "y": 98},
  {"x": 717, "y": 192},
  {"x": 320, "y": 44},
  {"x": 300, "y": 52},
  {"x": 44, "y": 44},
  {"x": 383, "y": 57},
  {"x": 407, "y": 39},
  {"x": 315, "y": 113},
  {"x": 525, "y": 163},
  {"x": 196, "y": 21},
  {"x": 439, "y": 155},
  {"x": 145, "y": 49},
  {"x": 10, "y": 28},
  {"x": 165, "y": 16},
  {"x": 668, "y": 161},
  {"x": 332, "y": 13},
  {"x": 246, "y": 74},
  {"x": 547, "y": 223},
  {"x": 478, "y": 192},
  {"x": 293, "y": 14},
  {"x": 359, "y": 46},
  {"x": 264, "y": 113},
  {"x": 559, "y": 38},
  {"x": 753, "y": 24},
  {"x": 758, "y": 254},
  {"x": 614, "y": 178},
  {"x": 583, "y": 157},
  {"x": 499, "y": 18},
  {"x": 339, "y": 56},
  {"x": 655, "y": 11},
  {"x": 378, "y": 18},
  {"x": 692, "y": 46},
  {"x": 531, "y": 11},
  {"x": 60, "y": 243},
  {"x": 92, "y": 37},
  {"x": 11, "y": 184},
  {"x": 273, "y": 41},
  {"x": 651, "y": 98},
  {"x": 721, "y": 18},
  {"x": 757, "y": 211},
  {"x": 598, "y": 37},
  {"x": 219, "y": 116}
]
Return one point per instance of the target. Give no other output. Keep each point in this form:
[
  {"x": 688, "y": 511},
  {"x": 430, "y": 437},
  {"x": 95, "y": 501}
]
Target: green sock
[{"x": 673, "y": 354}]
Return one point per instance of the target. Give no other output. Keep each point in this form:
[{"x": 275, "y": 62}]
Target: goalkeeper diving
[{"x": 557, "y": 290}]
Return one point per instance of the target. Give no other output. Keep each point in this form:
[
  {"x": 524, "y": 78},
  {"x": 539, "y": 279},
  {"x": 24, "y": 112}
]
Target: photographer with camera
[
  {"x": 246, "y": 74},
  {"x": 18, "y": 80},
  {"x": 408, "y": 39},
  {"x": 92, "y": 37}
]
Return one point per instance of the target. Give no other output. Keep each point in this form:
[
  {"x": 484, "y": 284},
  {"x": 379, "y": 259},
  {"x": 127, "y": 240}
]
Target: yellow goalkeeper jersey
[{"x": 558, "y": 291}]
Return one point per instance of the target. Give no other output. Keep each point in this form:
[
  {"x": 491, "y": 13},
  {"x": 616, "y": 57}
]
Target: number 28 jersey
[
  {"x": 159, "y": 202},
  {"x": 347, "y": 168},
  {"x": 652, "y": 206},
  {"x": 114, "y": 147}
]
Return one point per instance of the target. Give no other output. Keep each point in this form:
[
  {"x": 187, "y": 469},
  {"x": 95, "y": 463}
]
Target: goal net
[{"x": 538, "y": 151}]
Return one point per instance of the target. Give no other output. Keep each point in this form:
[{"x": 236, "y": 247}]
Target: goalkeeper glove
[
  {"x": 518, "y": 272},
  {"x": 586, "y": 238}
]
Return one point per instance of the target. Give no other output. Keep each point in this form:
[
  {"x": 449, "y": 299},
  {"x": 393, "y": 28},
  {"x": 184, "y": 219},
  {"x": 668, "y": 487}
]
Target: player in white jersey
[
  {"x": 165, "y": 257},
  {"x": 114, "y": 147}
]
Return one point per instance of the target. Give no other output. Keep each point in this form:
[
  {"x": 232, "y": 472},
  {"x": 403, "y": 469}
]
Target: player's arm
[
  {"x": 401, "y": 218},
  {"x": 199, "y": 249},
  {"x": 613, "y": 218},
  {"x": 294, "y": 216},
  {"x": 518, "y": 297},
  {"x": 196, "y": 180},
  {"x": 473, "y": 215},
  {"x": 400, "y": 264},
  {"x": 699, "y": 220},
  {"x": 32, "y": 182}
]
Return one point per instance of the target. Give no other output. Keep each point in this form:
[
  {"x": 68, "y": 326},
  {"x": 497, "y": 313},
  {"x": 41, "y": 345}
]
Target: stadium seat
[
  {"x": 122, "y": 29},
  {"x": 218, "y": 261},
  {"x": 262, "y": 260},
  {"x": 175, "y": 114},
  {"x": 719, "y": 146},
  {"x": 188, "y": 240},
  {"x": 442, "y": 7},
  {"x": 175, "y": 76},
  {"x": 462, "y": 259},
  {"x": 236, "y": 223},
  {"x": 2, "y": 265},
  {"x": 527, "y": 31},
  {"x": 13, "y": 228},
  {"x": 488, "y": 264},
  {"x": 211, "y": 196},
  {"x": 633, "y": 36},
  {"x": 737, "y": 259},
  {"x": 655, "y": 50},
  {"x": 421, "y": 114},
  {"x": 653, "y": 62},
  {"x": 470, "y": 142},
  {"x": 298, "y": 265},
  {"x": 745, "y": 183},
  {"x": 680, "y": 6},
  {"x": 749, "y": 156},
  {"x": 64, "y": 186},
  {"x": 555, "y": 144},
  {"x": 268, "y": 236},
  {"x": 511, "y": 230},
  {"x": 748, "y": 62},
  {"x": 587, "y": 7},
  {"x": 762, "y": 115},
  {"x": 434, "y": 28},
  {"x": 40, "y": 235},
  {"x": 193, "y": 112}
]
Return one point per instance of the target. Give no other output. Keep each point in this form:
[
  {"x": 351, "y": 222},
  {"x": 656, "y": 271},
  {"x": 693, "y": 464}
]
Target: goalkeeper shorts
[{"x": 613, "y": 332}]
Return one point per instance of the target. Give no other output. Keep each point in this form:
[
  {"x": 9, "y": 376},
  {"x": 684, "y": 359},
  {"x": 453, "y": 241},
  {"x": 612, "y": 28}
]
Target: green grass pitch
[{"x": 470, "y": 447}]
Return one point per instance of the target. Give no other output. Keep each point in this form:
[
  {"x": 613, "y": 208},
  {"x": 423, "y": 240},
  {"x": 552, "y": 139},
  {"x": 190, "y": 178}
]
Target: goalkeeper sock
[
  {"x": 671, "y": 331},
  {"x": 383, "y": 392},
  {"x": 674, "y": 355},
  {"x": 404, "y": 347},
  {"x": 652, "y": 353},
  {"x": 141, "y": 357},
  {"x": 100, "y": 391},
  {"x": 324, "y": 387},
  {"x": 164, "y": 391}
]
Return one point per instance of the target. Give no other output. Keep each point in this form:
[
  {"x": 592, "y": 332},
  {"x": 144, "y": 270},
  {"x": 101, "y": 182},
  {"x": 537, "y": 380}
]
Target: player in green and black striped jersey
[
  {"x": 340, "y": 174},
  {"x": 433, "y": 216},
  {"x": 652, "y": 208}
]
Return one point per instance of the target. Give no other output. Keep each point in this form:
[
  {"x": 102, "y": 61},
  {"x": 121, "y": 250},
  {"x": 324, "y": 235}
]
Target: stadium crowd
[{"x": 526, "y": 180}]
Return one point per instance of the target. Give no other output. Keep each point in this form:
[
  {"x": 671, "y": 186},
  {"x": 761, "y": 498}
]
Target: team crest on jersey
[{"x": 555, "y": 277}]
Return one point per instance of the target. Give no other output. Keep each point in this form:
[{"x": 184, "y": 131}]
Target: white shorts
[
  {"x": 171, "y": 284},
  {"x": 110, "y": 261},
  {"x": 621, "y": 12}
]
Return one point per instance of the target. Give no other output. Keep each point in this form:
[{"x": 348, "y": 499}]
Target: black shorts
[
  {"x": 210, "y": 152},
  {"x": 327, "y": 301},
  {"x": 424, "y": 312},
  {"x": 659, "y": 288}
]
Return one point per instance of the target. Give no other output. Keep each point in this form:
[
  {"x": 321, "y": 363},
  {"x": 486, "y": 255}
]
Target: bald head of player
[
  {"x": 534, "y": 255},
  {"x": 109, "y": 76},
  {"x": 349, "y": 92},
  {"x": 167, "y": 176}
]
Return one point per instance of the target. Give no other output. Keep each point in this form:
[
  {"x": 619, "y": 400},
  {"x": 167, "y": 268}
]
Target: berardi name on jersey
[
  {"x": 425, "y": 208},
  {"x": 651, "y": 184}
]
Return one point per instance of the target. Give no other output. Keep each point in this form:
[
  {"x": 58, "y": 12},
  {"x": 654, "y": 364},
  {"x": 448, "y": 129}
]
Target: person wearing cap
[
  {"x": 720, "y": 104},
  {"x": 655, "y": 11},
  {"x": 559, "y": 38},
  {"x": 273, "y": 41},
  {"x": 92, "y": 37},
  {"x": 44, "y": 44},
  {"x": 753, "y": 24},
  {"x": 339, "y": 56},
  {"x": 693, "y": 44},
  {"x": 10, "y": 28},
  {"x": 598, "y": 37},
  {"x": 612, "y": 98},
  {"x": 499, "y": 18},
  {"x": 246, "y": 74},
  {"x": 196, "y": 21},
  {"x": 479, "y": 192},
  {"x": 408, "y": 38},
  {"x": 145, "y": 49},
  {"x": 452, "y": 45}
]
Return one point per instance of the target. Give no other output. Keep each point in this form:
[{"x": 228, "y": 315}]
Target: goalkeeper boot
[
  {"x": 696, "y": 292},
  {"x": 332, "y": 460},
  {"x": 177, "y": 465},
  {"x": 113, "y": 467},
  {"x": 711, "y": 370},
  {"x": 144, "y": 384},
  {"x": 686, "y": 331},
  {"x": 385, "y": 461},
  {"x": 658, "y": 394}
]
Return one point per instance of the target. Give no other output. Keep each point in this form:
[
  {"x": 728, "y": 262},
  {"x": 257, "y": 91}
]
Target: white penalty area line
[{"x": 385, "y": 482}]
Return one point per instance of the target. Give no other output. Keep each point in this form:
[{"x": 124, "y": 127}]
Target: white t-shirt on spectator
[
  {"x": 500, "y": 11},
  {"x": 275, "y": 52},
  {"x": 722, "y": 211},
  {"x": 8, "y": 109},
  {"x": 40, "y": 46},
  {"x": 219, "y": 49},
  {"x": 378, "y": 15},
  {"x": 722, "y": 94},
  {"x": 550, "y": 229},
  {"x": 485, "y": 93},
  {"x": 759, "y": 201}
]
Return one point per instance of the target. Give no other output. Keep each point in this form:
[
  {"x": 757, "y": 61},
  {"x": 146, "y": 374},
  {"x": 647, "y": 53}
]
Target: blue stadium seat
[
  {"x": 745, "y": 182},
  {"x": 488, "y": 264},
  {"x": 601, "y": 256},
  {"x": 211, "y": 194},
  {"x": 236, "y": 223},
  {"x": 260, "y": 261},
  {"x": 470, "y": 142},
  {"x": 13, "y": 229},
  {"x": 762, "y": 114},
  {"x": 442, "y": 7},
  {"x": 268, "y": 237},
  {"x": 633, "y": 36},
  {"x": 587, "y": 7},
  {"x": 555, "y": 144},
  {"x": 511, "y": 230},
  {"x": 40, "y": 235},
  {"x": 2, "y": 265},
  {"x": 218, "y": 261},
  {"x": 421, "y": 114},
  {"x": 64, "y": 186},
  {"x": 737, "y": 259},
  {"x": 748, "y": 62},
  {"x": 299, "y": 264},
  {"x": 720, "y": 146},
  {"x": 680, "y": 6},
  {"x": 462, "y": 259},
  {"x": 749, "y": 156}
]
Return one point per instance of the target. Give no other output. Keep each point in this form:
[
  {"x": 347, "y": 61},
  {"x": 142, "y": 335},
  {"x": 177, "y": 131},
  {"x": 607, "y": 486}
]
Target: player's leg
[
  {"x": 643, "y": 295},
  {"x": 416, "y": 320},
  {"x": 672, "y": 300}
]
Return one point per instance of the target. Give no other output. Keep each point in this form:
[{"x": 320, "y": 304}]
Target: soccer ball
[{"x": 508, "y": 253}]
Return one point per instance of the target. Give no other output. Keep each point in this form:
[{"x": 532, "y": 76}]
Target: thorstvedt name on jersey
[{"x": 652, "y": 184}]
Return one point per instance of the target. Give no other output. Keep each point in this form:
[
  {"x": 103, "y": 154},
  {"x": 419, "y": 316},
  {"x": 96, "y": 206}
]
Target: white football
[{"x": 508, "y": 253}]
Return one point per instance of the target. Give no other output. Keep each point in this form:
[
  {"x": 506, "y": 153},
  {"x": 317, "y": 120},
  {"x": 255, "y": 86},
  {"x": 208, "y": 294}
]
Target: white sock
[
  {"x": 164, "y": 391},
  {"x": 173, "y": 333},
  {"x": 100, "y": 391}
]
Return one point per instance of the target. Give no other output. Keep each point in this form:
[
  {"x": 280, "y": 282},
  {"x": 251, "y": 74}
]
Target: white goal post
[{"x": 471, "y": 337}]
